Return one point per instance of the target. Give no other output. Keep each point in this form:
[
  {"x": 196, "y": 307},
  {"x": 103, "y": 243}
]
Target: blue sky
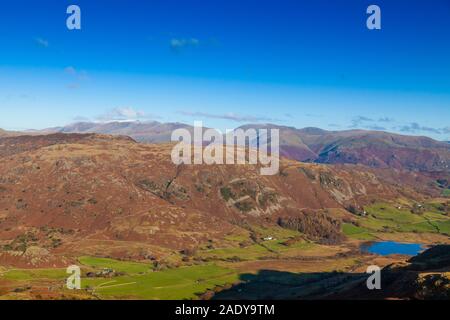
[{"x": 228, "y": 62}]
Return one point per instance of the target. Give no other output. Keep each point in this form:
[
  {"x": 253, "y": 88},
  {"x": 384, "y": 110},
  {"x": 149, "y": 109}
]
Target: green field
[
  {"x": 277, "y": 246},
  {"x": 180, "y": 283},
  {"x": 35, "y": 274},
  {"x": 142, "y": 283},
  {"x": 355, "y": 232},
  {"x": 263, "y": 250},
  {"x": 384, "y": 217},
  {"x": 139, "y": 282},
  {"x": 219, "y": 263},
  {"x": 251, "y": 252}
]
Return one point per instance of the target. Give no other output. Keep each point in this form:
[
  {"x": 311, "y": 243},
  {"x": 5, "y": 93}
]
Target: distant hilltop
[{"x": 377, "y": 149}]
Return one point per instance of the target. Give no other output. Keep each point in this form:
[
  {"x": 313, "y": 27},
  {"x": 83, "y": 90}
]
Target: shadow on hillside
[
  {"x": 273, "y": 285},
  {"x": 422, "y": 277}
]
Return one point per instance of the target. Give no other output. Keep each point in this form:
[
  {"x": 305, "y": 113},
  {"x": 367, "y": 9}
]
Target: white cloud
[
  {"x": 414, "y": 127},
  {"x": 179, "y": 44},
  {"x": 228, "y": 116},
  {"x": 42, "y": 42},
  {"x": 121, "y": 114},
  {"x": 81, "y": 119},
  {"x": 76, "y": 77},
  {"x": 70, "y": 70}
]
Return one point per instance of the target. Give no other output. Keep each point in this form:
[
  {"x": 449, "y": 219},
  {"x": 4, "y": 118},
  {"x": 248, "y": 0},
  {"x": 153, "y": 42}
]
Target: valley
[{"x": 141, "y": 227}]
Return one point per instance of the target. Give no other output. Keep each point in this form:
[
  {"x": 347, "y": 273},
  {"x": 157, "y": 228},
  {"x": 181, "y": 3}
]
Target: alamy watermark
[
  {"x": 73, "y": 21},
  {"x": 374, "y": 20},
  {"x": 374, "y": 280},
  {"x": 73, "y": 282},
  {"x": 239, "y": 146}
]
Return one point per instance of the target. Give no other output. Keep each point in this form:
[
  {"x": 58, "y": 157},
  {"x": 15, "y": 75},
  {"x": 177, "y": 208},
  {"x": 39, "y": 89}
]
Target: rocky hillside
[
  {"x": 66, "y": 193},
  {"x": 4, "y": 133},
  {"x": 423, "y": 277}
]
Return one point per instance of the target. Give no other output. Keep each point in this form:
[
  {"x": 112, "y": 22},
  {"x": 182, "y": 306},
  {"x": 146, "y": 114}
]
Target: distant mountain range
[
  {"x": 148, "y": 132},
  {"x": 371, "y": 148}
]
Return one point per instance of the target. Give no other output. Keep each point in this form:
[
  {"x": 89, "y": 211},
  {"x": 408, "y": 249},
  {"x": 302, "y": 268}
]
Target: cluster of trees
[{"x": 317, "y": 226}]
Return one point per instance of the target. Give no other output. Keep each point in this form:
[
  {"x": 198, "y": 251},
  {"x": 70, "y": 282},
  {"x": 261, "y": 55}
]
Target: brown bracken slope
[{"x": 74, "y": 194}]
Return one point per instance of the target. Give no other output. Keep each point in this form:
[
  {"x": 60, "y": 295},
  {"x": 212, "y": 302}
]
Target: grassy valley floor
[{"x": 263, "y": 257}]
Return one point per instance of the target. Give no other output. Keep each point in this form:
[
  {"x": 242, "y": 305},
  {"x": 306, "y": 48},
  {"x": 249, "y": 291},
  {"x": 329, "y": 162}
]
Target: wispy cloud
[
  {"x": 42, "y": 42},
  {"x": 360, "y": 122},
  {"x": 70, "y": 70},
  {"x": 81, "y": 119},
  {"x": 125, "y": 113},
  {"x": 386, "y": 119},
  {"x": 364, "y": 122},
  {"x": 177, "y": 44},
  {"x": 375, "y": 127},
  {"x": 313, "y": 115},
  {"x": 73, "y": 86},
  {"x": 334, "y": 125},
  {"x": 21, "y": 96},
  {"x": 362, "y": 118},
  {"x": 76, "y": 77},
  {"x": 414, "y": 127},
  {"x": 228, "y": 116},
  {"x": 80, "y": 74}
]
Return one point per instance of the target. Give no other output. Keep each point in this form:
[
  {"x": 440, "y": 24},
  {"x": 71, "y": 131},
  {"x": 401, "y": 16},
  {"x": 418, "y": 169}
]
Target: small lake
[{"x": 385, "y": 248}]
